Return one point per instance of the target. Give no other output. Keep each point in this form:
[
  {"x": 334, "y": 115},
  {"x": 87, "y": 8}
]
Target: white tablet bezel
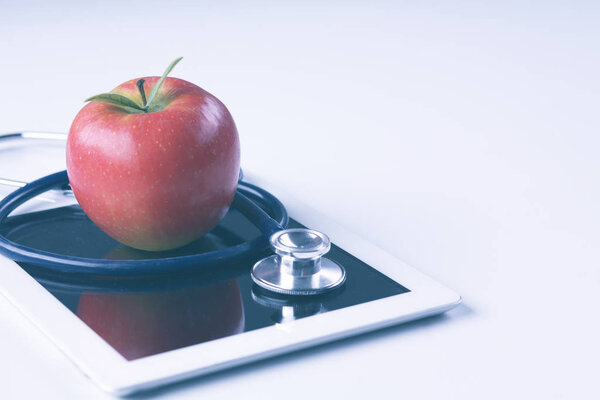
[{"x": 112, "y": 372}]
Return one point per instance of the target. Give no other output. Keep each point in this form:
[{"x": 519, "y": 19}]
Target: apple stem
[{"x": 140, "y": 86}]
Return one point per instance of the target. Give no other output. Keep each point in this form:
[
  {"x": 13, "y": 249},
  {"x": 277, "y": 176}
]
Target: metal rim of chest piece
[{"x": 298, "y": 267}]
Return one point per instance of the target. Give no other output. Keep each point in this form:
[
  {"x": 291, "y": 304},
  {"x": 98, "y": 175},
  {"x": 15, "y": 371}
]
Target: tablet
[{"x": 133, "y": 335}]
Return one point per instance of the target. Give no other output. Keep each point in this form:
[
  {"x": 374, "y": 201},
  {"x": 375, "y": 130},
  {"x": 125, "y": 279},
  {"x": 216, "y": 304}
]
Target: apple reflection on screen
[{"x": 140, "y": 324}]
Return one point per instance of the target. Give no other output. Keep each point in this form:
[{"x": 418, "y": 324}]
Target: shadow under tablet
[{"x": 148, "y": 316}]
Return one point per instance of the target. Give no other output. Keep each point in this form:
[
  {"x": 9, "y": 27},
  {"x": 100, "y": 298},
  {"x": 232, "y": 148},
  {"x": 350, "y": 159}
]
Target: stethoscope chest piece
[{"x": 298, "y": 267}]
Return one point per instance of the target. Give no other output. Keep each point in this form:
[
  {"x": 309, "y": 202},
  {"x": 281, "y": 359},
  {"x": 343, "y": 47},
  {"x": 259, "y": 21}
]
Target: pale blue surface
[{"x": 475, "y": 122}]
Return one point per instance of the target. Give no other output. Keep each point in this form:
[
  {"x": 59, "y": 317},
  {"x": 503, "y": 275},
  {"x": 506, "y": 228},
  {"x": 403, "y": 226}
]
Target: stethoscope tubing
[{"x": 246, "y": 200}]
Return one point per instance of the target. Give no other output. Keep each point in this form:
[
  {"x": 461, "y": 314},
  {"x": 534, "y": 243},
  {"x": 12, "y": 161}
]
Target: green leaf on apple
[
  {"x": 160, "y": 81},
  {"x": 118, "y": 100},
  {"x": 130, "y": 105}
]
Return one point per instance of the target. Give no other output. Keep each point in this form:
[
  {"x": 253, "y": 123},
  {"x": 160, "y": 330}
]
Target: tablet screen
[{"x": 150, "y": 316}]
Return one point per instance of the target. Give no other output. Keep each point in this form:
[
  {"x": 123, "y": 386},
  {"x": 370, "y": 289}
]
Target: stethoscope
[{"x": 297, "y": 267}]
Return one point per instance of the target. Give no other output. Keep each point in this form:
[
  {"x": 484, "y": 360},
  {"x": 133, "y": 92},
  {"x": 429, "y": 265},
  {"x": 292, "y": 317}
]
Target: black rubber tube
[{"x": 248, "y": 200}]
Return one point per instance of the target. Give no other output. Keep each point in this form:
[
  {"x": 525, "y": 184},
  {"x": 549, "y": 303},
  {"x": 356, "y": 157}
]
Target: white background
[{"x": 462, "y": 138}]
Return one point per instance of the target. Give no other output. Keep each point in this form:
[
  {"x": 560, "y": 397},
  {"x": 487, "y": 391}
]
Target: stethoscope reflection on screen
[{"x": 296, "y": 268}]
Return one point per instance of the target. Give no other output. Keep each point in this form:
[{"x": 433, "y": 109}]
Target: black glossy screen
[{"x": 149, "y": 316}]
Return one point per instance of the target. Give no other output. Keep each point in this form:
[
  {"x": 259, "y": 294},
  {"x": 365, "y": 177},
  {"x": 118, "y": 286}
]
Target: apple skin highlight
[{"x": 156, "y": 180}]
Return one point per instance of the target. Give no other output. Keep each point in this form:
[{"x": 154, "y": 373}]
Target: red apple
[{"x": 155, "y": 175}]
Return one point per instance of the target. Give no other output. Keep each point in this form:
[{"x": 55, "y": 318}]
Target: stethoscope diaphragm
[{"x": 298, "y": 267}]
